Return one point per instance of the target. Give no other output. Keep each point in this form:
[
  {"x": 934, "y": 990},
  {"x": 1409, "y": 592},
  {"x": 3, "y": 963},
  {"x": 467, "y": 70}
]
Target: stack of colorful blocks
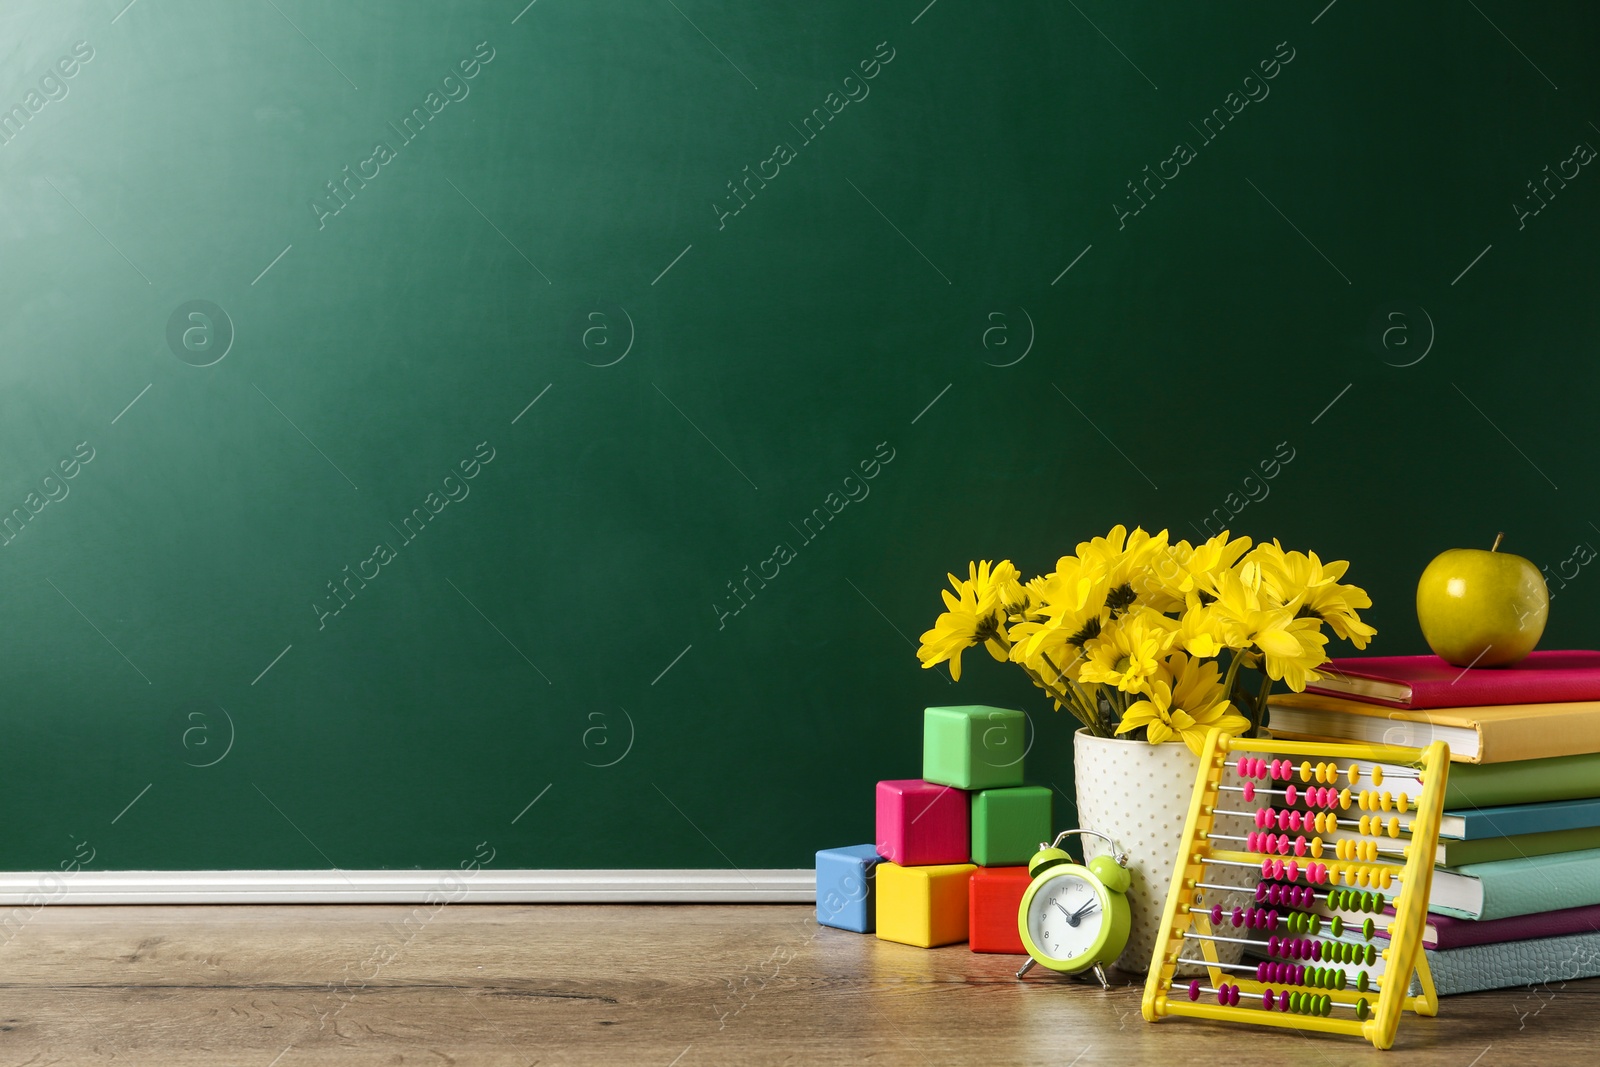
[{"x": 950, "y": 863}]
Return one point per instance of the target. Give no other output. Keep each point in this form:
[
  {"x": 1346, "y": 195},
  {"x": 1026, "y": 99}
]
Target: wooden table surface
[{"x": 674, "y": 986}]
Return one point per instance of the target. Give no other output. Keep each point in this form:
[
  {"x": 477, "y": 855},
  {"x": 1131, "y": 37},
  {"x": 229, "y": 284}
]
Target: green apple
[{"x": 1482, "y": 609}]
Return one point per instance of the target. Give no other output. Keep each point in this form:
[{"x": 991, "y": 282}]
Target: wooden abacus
[{"x": 1334, "y": 994}]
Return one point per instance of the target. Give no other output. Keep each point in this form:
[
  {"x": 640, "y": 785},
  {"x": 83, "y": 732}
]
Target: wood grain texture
[{"x": 277, "y": 986}]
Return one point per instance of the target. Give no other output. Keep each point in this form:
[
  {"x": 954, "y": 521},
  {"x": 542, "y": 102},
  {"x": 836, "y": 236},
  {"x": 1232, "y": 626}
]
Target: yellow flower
[
  {"x": 1292, "y": 647},
  {"x": 1200, "y": 632},
  {"x": 976, "y": 615},
  {"x": 1122, "y": 561},
  {"x": 1186, "y": 700},
  {"x": 1312, "y": 587},
  {"x": 1183, "y": 572},
  {"x": 996, "y": 586},
  {"x": 1127, "y": 653}
]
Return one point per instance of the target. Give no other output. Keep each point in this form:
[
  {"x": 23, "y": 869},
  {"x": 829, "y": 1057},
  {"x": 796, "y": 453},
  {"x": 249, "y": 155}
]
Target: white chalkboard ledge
[{"x": 484, "y": 886}]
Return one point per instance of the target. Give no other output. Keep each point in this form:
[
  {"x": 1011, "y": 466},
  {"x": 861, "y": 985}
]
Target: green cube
[
  {"x": 973, "y": 747},
  {"x": 1008, "y": 825}
]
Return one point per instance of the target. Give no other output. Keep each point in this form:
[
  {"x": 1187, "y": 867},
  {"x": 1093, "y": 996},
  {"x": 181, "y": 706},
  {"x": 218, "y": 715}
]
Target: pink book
[
  {"x": 1552, "y": 677},
  {"x": 1445, "y": 932}
]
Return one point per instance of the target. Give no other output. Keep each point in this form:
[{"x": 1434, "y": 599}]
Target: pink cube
[{"x": 920, "y": 823}]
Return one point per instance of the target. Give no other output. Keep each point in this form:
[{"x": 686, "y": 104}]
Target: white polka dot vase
[{"x": 1138, "y": 794}]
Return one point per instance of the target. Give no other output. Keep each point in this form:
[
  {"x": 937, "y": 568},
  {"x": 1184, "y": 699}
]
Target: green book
[
  {"x": 1520, "y": 886},
  {"x": 1487, "y": 785},
  {"x": 1457, "y": 853}
]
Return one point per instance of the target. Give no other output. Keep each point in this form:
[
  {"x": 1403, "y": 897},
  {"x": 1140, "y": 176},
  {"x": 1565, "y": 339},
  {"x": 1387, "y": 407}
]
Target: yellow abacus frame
[{"x": 1402, "y": 958}]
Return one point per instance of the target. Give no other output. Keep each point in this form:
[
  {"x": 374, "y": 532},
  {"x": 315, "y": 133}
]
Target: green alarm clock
[{"x": 1075, "y": 918}]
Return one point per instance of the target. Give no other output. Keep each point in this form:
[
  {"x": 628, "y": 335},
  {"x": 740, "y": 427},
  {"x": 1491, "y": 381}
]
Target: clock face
[{"x": 1065, "y": 917}]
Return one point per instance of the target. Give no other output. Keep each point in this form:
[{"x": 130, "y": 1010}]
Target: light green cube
[
  {"x": 1008, "y": 825},
  {"x": 973, "y": 747}
]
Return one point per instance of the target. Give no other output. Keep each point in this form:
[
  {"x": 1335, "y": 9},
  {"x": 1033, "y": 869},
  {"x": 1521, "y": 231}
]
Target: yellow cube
[{"x": 923, "y": 906}]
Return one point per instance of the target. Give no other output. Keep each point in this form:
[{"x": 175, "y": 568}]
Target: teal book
[
  {"x": 1513, "y": 964},
  {"x": 1505, "y": 820},
  {"x": 1521, "y": 886}
]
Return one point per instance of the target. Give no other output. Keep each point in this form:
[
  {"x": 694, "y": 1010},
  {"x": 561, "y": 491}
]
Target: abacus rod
[
  {"x": 1354, "y": 821},
  {"x": 1388, "y": 851},
  {"x": 1371, "y": 988},
  {"x": 1219, "y": 937},
  {"x": 1257, "y": 866},
  {"x": 1208, "y": 963},
  {"x": 1208, "y": 989},
  {"x": 1403, "y": 774}
]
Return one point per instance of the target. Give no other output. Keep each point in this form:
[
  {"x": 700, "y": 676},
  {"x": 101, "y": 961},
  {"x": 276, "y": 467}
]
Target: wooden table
[{"x": 275, "y": 986}]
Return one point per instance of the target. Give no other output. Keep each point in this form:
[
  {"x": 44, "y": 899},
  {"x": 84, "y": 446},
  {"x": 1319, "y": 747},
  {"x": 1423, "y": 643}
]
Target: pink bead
[
  {"x": 1266, "y": 1000},
  {"x": 1292, "y": 869},
  {"x": 1216, "y": 914},
  {"x": 1277, "y": 869},
  {"x": 1274, "y": 944},
  {"x": 1249, "y": 791},
  {"x": 1300, "y": 846},
  {"x": 1194, "y": 989},
  {"x": 1266, "y": 868},
  {"x": 1283, "y": 844},
  {"x": 1299, "y": 976},
  {"x": 1262, "y": 815},
  {"x": 1283, "y": 1000},
  {"x": 1262, "y": 889},
  {"x": 1289, "y": 793},
  {"x": 1238, "y": 915},
  {"x": 1282, "y": 820}
]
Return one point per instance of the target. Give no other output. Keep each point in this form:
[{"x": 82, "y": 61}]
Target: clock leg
[
  {"x": 1026, "y": 967},
  {"x": 1100, "y": 973}
]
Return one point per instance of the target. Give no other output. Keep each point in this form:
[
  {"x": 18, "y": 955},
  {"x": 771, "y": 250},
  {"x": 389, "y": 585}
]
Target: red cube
[
  {"x": 921, "y": 824},
  {"x": 994, "y": 895}
]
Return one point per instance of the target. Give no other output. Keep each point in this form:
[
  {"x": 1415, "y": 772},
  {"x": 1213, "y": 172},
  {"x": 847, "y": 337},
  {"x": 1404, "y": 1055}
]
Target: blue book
[{"x": 1507, "y": 820}]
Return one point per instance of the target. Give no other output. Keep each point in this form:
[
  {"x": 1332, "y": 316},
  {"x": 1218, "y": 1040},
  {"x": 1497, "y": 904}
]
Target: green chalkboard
[{"x": 549, "y": 425}]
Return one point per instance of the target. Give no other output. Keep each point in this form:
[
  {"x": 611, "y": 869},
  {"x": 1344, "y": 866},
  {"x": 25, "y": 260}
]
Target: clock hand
[
  {"x": 1072, "y": 920},
  {"x": 1086, "y": 909}
]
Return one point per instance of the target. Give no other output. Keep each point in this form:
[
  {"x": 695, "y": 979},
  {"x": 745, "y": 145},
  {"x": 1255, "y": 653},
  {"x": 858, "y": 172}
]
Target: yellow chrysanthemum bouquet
[{"x": 1129, "y": 635}]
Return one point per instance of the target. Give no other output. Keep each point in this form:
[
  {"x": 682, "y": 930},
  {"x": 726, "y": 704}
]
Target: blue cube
[{"x": 847, "y": 888}]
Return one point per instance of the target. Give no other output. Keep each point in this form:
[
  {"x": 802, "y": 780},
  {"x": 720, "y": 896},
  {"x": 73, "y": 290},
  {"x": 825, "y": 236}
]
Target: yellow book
[{"x": 1494, "y": 734}]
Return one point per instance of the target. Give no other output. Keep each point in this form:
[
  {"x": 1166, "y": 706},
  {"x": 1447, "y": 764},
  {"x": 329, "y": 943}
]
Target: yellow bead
[
  {"x": 1316, "y": 848},
  {"x": 1403, "y": 803},
  {"x": 1353, "y": 772},
  {"x": 1386, "y": 801},
  {"x": 1377, "y": 775},
  {"x": 1344, "y": 796},
  {"x": 1305, "y": 770},
  {"x": 1394, "y": 827},
  {"x": 1387, "y": 877}
]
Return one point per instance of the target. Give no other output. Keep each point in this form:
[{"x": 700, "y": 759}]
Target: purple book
[{"x": 1445, "y": 932}]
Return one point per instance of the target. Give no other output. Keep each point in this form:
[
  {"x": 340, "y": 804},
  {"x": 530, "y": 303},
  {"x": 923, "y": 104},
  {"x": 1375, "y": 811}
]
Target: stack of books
[{"x": 1516, "y": 889}]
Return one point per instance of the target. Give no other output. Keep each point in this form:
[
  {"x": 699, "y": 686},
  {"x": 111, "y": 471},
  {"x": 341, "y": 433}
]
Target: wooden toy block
[
  {"x": 920, "y": 823},
  {"x": 973, "y": 747},
  {"x": 1009, "y": 825},
  {"x": 846, "y": 888},
  {"x": 994, "y": 897},
  {"x": 923, "y": 906}
]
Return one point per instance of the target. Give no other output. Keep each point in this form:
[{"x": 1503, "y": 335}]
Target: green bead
[
  {"x": 1372, "y": 954},
  {"x": 1336, "y": 926},
  {"x": 1367, "y": 929},
  {"x": 1344, "y": 980},
  {"x": 1362, "y": 1009},
  {"x": 1361, "y": 982},
  {"x": 1327, "y": 1006},
  {"x": 1315, "y": 924}
]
